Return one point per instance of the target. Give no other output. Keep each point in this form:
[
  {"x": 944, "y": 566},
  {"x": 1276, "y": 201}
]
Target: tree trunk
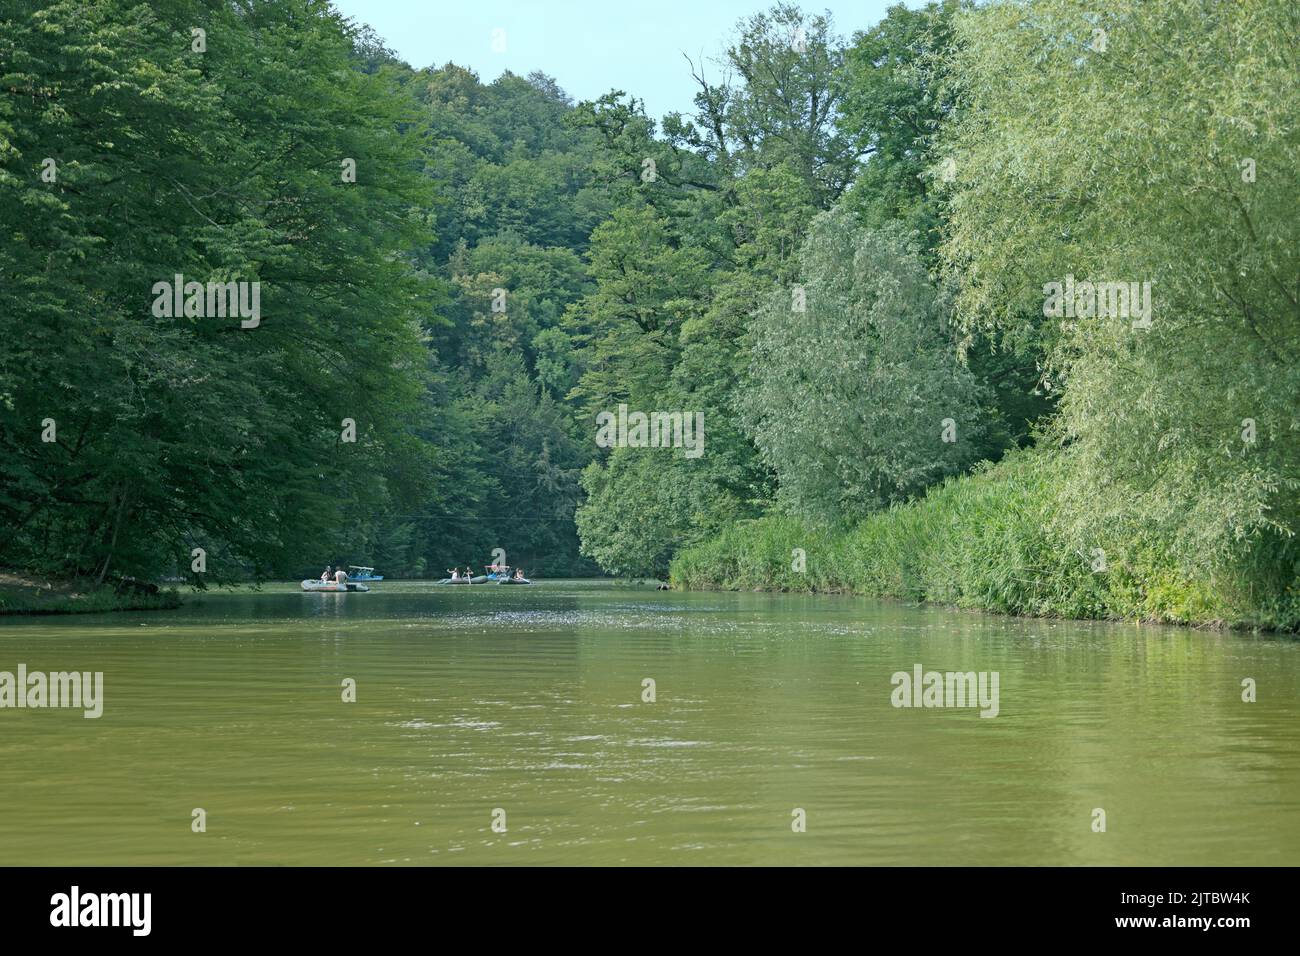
[{"x": 112, "y": 544}]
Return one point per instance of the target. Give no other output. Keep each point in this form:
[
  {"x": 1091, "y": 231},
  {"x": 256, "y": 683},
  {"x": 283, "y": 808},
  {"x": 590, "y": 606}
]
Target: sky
[{"x": 588, "y": 46}]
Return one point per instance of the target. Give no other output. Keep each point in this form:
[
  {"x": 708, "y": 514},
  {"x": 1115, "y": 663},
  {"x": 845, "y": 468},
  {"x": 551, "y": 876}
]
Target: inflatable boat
[
  {"x": 500, "y": 573},
  {"x": 319, "y": 585},
  {"x": 481, "y": 579}
]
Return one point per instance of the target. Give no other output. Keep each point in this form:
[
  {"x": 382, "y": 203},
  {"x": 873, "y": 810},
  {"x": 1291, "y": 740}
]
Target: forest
[{"x": 990, "y": 304}]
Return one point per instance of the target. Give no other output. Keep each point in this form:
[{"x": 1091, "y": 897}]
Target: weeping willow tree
[
  {"x": 1128, "y": 142},
  {"x": 858, "y": 397}
]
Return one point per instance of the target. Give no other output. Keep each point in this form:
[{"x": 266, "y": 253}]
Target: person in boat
[
  {"x": 325, "y": 575},
  {"x": 341, "y": 577},
  {"x": 519, "y": 574}
]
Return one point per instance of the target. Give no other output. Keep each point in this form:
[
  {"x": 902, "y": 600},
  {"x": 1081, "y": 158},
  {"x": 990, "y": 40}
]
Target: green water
[{"x": 530, "y": 700}]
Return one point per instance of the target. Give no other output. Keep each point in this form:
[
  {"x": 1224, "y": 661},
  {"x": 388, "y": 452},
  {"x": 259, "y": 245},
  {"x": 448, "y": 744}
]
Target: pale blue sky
[{"x": 589, "y": 46}]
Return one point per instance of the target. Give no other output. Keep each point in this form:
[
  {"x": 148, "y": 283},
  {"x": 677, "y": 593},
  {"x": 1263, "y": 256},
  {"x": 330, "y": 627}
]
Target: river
[{"x": 526, "y": 707}]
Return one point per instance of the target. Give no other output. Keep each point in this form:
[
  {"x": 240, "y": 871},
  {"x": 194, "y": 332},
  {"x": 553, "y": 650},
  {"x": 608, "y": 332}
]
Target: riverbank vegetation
[
  {"x": 994, "y": 305},
  {"x": 23, "y": 594},
  {"x": 993, "y": 540},
  {"x": 1164, "y": 485}
]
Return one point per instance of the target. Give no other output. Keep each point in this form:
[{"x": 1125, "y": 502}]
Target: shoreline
[
  {"x": 28, "y": 594},
  {"x": 997, "y": 541},
  {"x": 1214, "y": 626}
]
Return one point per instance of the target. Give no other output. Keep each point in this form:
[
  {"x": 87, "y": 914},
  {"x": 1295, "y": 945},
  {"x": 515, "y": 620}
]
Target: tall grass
[{"x": 987, "y": 540}]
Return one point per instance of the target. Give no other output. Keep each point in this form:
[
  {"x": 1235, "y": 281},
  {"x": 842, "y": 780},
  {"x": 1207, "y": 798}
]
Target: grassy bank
[
  {"x": 987, "y": 541},
  {"x": 26, "y": 594}
]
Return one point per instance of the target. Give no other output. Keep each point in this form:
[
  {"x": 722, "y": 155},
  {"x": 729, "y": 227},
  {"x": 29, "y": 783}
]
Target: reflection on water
[{"x": 530, "y": 700}]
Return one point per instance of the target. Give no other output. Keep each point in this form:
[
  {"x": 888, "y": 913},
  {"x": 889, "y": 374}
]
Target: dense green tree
[
  {"x": 896, "y": 92},
  {"x": 782, "y": 105},
  {"x": 648, "y": 282},
  {"x": 858, "y": 396},
  {"x": 1124, "y": 142},
  {"x": 221, "y": 162},
  {"x": 733, "y": 192},
  {"x": 894, "y": 95}
]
